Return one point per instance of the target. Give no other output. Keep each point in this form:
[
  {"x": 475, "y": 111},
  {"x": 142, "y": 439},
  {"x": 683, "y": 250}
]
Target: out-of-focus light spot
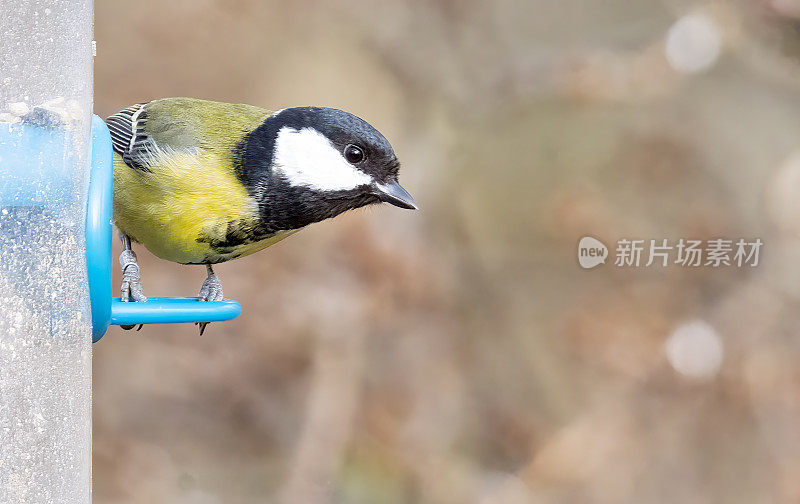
[
  {"x": 790, "y": 8},
  {"x": 782, "y": 191},
  {"x": 505, "y": 488},
  {"x": 693, "y": 43},
  {"x": 694, "y": 349}
]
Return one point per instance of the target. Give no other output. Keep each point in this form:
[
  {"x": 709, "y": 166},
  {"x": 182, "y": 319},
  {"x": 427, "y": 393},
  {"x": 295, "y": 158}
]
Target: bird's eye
[{"x": 354, "y": 154}]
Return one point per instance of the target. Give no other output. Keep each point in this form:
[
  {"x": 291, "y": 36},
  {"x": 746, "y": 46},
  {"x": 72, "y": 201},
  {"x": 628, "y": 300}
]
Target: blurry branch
[{"x": 332, "y": 401}]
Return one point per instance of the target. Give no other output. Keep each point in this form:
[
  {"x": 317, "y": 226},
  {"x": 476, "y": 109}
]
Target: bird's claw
[
  {"x": 131, "y": 282},
  {"x": 210, "y": 291},
  {"x": 202, "y": 326}
]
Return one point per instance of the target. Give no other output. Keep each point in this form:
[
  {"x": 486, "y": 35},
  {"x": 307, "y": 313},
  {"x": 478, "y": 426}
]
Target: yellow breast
[{"x": 185, "y": 204}]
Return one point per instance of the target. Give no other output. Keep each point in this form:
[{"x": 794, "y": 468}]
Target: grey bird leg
[
  {"x": 131, "y": 282},
  {"x": 210, "y": 291}
]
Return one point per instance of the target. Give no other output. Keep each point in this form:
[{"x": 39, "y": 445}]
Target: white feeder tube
[{"x": 45, "y": 323}]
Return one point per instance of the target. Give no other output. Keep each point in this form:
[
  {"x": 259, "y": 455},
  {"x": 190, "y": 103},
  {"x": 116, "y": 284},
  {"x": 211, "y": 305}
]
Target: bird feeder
[
  {"x": 55, "y": 253},
  {"x": 31, "y": 152},
  {"x": 45, "y": 316}
]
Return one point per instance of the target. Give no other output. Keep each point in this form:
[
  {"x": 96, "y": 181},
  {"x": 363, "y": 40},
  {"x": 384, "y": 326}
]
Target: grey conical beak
[{"x": 394, "y": 193}]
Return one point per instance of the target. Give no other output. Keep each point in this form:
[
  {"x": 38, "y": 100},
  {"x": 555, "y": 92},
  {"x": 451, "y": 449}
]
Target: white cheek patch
[{"x": 306, "y": 158}]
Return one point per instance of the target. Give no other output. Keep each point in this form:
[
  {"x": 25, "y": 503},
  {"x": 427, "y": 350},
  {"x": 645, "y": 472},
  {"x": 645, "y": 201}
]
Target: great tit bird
[{"x": 203, "y": 182}]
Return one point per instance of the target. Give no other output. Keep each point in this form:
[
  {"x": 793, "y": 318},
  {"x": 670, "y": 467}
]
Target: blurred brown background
[{"x": 459, "y": 354}]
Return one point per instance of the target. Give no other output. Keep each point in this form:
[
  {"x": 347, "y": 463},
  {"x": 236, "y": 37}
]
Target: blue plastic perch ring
[{"x": 105, "y": 310}]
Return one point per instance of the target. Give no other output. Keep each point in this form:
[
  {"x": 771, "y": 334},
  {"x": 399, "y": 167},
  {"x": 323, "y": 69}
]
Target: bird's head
[{"x": 322, "y": 162}]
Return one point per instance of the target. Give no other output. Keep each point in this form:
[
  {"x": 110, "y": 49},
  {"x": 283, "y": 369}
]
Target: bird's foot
[
  {"x": 131, "y": 282},
  {"x": 210, "y": 291}
]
